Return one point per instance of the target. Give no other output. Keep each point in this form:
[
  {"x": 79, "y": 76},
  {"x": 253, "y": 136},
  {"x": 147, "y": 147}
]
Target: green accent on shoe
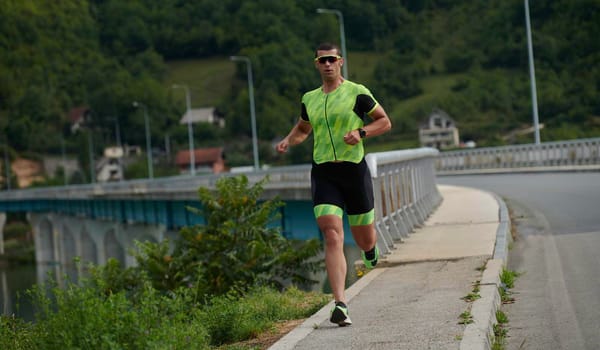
[
  {"x": 370, "y": 263},
  {"x": 339, "y": 315}
]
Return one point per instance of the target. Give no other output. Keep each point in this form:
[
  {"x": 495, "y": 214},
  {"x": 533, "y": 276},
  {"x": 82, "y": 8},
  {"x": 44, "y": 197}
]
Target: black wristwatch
[{"x": 362, "y": 133}]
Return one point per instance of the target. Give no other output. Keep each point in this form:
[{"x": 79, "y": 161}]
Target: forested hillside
[{"x": 466, "y": 57}]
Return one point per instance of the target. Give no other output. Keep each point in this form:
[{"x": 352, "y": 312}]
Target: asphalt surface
[
  {"x": 414, "y": 298},
  {"x": 557, "y": 239}
]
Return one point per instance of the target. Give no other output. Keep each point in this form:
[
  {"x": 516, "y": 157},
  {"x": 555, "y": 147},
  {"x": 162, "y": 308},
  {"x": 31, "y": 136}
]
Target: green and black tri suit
[{"x": 340, "y": 177}]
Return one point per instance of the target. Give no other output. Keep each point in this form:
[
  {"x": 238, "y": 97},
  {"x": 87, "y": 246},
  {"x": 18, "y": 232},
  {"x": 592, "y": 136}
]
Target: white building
[
  {"x": 438, "y": 131},
  {"x": 203, "y": 115}
]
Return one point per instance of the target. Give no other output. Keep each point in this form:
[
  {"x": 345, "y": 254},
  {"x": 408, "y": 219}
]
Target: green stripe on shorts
[
  {"x": 327, "y": 209},
  {"x": 362, "y": 219}
]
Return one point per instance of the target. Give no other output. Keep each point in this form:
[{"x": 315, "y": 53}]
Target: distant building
[
  {"x": 208, "y": 160},
  {"x": 79, "y": 117},
  {"x": 27, "y": 171},
  {"x": 110, "y": 168},
  {"x": 438, "y": 131},
  {"x": 203, "y": 115}
]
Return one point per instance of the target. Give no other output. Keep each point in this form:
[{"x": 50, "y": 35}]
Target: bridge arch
[
  {"x": 46, "y": 251},
  {"x": 89, "y": 251},
  {"x": 68, "y": 246},
  {"x": 113, "y": 248}
]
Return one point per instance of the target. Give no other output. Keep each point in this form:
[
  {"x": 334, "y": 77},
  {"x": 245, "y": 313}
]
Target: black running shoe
[{"x": 339, "y": 315}]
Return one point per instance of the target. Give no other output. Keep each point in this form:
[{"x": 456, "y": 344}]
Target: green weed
[
  {"x": 508, "y": 277},
  {"x": 465, "y": 318},
  {"x": 471, "y": 297},
  {"x": 500, "y": 332}
]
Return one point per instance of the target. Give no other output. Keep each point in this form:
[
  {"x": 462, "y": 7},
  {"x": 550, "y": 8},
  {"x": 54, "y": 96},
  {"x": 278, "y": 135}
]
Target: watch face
[{"x": 362, "y": 133}]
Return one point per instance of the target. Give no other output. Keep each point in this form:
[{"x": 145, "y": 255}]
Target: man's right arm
[{"x": 297, "y": 135}]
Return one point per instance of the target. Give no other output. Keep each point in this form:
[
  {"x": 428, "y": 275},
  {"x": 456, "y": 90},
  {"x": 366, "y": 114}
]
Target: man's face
[{"x": 329, "y": 64}]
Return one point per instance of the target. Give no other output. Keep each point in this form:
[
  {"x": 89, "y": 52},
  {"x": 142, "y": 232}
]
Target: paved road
[{"x": 557, "y": 219}]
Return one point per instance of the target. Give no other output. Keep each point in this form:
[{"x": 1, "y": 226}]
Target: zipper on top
[{"x": 329, "y": 128}]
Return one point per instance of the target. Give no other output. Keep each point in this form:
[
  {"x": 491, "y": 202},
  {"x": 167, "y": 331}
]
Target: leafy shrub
[
  {"x": 212, "y": 289},
  {"x": 16, "y": 230},
  {"x": 235, "y": 248},
  {"x": 15, "y": 334},
  {"x": 85, "y": 318}
]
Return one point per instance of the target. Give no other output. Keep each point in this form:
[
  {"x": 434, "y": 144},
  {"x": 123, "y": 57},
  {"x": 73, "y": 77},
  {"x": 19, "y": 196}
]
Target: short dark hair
[{"x": 327, "y": 47}]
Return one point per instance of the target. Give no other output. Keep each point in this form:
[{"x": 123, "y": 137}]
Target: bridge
[{"x": 99, "y": 221}]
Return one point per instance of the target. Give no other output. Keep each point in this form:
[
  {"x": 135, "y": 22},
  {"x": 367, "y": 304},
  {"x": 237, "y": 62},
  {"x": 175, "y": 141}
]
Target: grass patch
[
  {"x": 500, "y": 331},
  {"x": 80, "y": 317},
  {"x": 471, "y": 297},
  {"x": 465, "y": 318},
  {"x": 507, "y": 281},
  {"x": 257, "y": 313},
  {"x": 361, "y": 66},
  {"x": 474, "y": 295},
  {"x": 434, "y": 88},
  {"x": 508, "y": 277},
  {"x": 209, "y": 80}
]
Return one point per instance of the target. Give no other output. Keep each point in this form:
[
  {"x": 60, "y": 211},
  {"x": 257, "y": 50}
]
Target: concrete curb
[
  {"x": 480, "y": 334},
  {"x": 290, "y": 340}
]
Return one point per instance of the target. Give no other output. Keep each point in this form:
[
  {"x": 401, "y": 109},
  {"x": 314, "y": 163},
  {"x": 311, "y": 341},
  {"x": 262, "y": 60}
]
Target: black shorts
[{"x": 346, "y": 185}]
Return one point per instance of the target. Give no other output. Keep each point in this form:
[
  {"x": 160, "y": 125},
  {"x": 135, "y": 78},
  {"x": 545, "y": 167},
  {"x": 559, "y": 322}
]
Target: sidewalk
[{"x": 412, "y": 300}]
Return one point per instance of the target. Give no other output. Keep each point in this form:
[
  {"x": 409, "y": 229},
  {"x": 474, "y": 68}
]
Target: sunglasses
[{"x": 330, "y": 59}]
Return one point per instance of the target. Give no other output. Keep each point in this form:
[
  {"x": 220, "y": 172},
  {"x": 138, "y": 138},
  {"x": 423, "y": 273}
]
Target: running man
[{"x": 340, "y": 177}]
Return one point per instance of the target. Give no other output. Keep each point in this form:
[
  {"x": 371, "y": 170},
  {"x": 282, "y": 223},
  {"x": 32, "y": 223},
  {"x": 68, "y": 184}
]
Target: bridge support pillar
[
  {"x": 59, "y": 239},
  {"x": 2, "y": 222}
]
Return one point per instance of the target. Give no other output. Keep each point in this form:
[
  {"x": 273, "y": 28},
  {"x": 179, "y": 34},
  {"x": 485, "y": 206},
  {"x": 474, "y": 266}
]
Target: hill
[{"x": 467, "y": 58}]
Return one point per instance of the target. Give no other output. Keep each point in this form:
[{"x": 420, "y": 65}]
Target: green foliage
[
  {"x": 86, "y": 318},
  {"x": 16, "y": 229},
  {"x": 105, "y": 54},
  {"x": 508, "y": 277},
  {"x": 256, "y": 311},
  {"x": 16, "y": 334},
  {"x": 89, "y": 316},
  {"x": 236, "y": 248}
]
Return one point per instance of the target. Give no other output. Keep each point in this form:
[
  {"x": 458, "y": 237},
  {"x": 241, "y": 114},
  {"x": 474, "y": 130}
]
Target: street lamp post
[
  {"x": 532, "y": 76},
  {"x": 340, "y": 16},
  {"x": 64, "y": 160},
  {"x": 252, "y": 112},
  {"x": 91, "y": 153},
  {"x": 148, "y": 144},
  {"x": 120, "y": 146},
  {"x": 188, "y": 104}
]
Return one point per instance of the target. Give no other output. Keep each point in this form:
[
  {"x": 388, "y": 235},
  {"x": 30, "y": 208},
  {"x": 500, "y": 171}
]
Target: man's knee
[{"x": 333, "y": 236}]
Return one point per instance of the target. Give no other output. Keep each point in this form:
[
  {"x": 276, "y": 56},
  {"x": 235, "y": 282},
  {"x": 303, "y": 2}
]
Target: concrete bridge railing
[
  {"x": 405, "y": 192},
  {"x": 582, "y": 154}
]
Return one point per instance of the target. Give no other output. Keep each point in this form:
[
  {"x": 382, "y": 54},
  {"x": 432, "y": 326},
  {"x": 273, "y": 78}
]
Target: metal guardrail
[
  {"x": 405, "y": 192},
  {"x": 560, "y": 155}
]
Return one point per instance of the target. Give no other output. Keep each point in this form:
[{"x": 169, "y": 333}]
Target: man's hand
[
  {"x": 282, "y": 146},
  {"x": 352, "y": 137}
]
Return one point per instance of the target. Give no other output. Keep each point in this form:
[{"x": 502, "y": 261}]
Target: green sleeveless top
[{"x": 333, "y": 115}]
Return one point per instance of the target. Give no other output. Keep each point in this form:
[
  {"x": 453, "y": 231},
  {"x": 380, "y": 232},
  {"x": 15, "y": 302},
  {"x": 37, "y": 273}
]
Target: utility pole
[{"x": 536, "y": 126}]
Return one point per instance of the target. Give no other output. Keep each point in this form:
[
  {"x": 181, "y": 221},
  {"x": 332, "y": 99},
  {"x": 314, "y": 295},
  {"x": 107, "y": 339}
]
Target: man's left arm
[{"x": 381, "y": 123}]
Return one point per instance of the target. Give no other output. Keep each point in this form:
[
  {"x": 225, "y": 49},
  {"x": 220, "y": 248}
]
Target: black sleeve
[
  {"x": 303, "y": 113},
  {"x": 363, "y": 105}
]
